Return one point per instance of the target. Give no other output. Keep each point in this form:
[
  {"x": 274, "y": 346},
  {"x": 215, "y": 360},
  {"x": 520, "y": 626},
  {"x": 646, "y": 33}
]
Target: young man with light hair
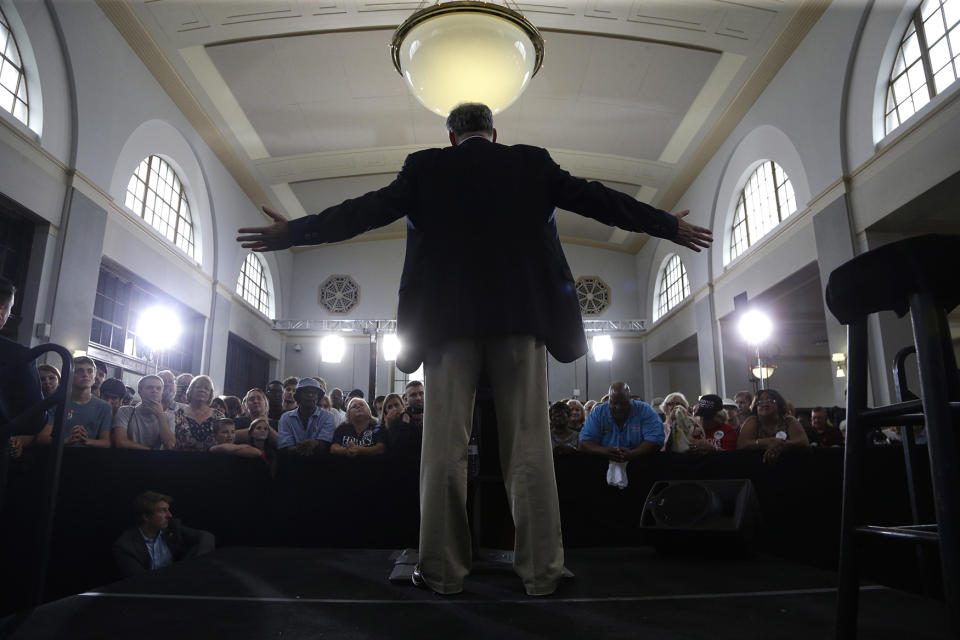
[
  {"x": 147, "y": 425},
  {"x": 88, "y": 419}
]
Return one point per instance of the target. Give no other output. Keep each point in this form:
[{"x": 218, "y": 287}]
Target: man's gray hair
[{"x": 470, "y": 117}]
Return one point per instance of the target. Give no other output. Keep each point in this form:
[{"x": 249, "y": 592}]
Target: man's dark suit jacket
[
  {"x": 19, "y": 381},
  {"x": 483, "y": 255},
  {"x": 132, "y": 557}
]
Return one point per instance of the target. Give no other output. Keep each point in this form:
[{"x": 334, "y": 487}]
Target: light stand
[
  {"x": 755, "y": 327},
  {"x": 159, "y": 329}
]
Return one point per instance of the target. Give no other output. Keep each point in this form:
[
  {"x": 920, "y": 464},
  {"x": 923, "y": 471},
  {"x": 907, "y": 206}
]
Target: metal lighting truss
[{"x": 390, "y": 326}]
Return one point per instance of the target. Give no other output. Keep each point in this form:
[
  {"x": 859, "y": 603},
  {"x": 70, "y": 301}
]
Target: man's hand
[
  {"x": 271, "y": 238},
  {"x": 150, "y": 406},
  {"x": 307, "y": 447},
  {"x": 16, "y": 447},
  {"x": 689, "y": 235},
  {"x": 615, "y": 454},
  {"x": 77, "y": 434}
]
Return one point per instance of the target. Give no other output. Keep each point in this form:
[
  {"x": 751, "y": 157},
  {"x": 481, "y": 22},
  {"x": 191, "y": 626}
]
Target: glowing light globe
[
  {"x": 158, "y": 328},
  {"x": 465, "y": 51}
]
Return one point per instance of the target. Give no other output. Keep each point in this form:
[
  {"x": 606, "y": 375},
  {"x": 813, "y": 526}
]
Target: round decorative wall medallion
[
  {"x": 594, "y": 295},
  {"x": 339, "y": 294}
]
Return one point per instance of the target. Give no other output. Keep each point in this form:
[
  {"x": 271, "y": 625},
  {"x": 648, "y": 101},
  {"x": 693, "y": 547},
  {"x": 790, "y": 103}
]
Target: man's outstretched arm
[
  {"x": 339, "y": 222},
  {"x": 595, "y": 200}
]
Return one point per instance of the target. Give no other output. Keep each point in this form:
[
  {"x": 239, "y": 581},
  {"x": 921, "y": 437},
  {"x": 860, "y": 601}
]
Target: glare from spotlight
[
  {"x": 332, "y": 348},
  {"x": 391, "y": 346},
  {"x": 755, "y": 326},
  {"x": 602, "y": 348},
  {"x": 158, "y": 328}
]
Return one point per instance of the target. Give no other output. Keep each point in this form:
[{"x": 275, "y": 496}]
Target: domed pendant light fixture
[{"x": 466, "y": 51}]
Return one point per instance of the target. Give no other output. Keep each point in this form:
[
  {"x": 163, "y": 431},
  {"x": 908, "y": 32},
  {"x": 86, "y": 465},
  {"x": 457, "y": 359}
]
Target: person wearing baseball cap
[
  {"x": 717, "y": 435},
  {"x": 308, "y": 429}
]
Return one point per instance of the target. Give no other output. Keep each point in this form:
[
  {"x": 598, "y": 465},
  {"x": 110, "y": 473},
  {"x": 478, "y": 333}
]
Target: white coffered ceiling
[{"x": 300, "y": 100}]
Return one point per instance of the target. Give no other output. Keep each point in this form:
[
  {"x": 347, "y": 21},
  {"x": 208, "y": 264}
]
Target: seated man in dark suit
[{"x": 159, "y": 539}]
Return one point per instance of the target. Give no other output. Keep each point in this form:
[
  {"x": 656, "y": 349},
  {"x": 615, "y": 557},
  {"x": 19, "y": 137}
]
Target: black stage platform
[{"x": 254, "y": 592}]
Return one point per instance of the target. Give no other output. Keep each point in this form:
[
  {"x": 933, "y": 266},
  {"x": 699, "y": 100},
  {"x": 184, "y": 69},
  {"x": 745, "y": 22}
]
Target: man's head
[
  {"x": 169, "y": 385},
  {"x": 413, "y": 395},
  {"x": 336, "y": 398},
  {"x": 153, "y": 509},
  {"x": 470, "y": 119},
  {"x": 355, "y": 393},
  {"x": 559, "y": 415},
  {"x": 275, "y": 392},
  {"x": 707, "y": 408},
  {"x": 743, "y": 399},
  {"x": 113, "y": 390},
  {"x": 183, "y": 383},
  {"x": 289, "y": 386},
  {"x": 7, "y": 294},
  {"x": 49, "y": 378},
  {"x": 84, "y": 373},
  {"x": 225, "y": 431},
  {"x": 308, "y": 394},
  {"x": 619, "y": 401},
  {"x": 819, "y": 419},
  {"x": 150, "y": 388},
  {"x": 101, "y": 375}
]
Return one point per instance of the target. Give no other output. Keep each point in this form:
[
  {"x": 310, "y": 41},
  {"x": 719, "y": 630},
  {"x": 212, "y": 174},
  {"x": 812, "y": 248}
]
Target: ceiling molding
[
  {"x": 807, "y": 15},
  {"x": 129, "y": 26},
  {"x": 389, "y": 160}
]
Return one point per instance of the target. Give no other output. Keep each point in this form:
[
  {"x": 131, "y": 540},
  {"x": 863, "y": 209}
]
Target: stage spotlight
[
  {"x": 158, "y": 328},
  {"x": 602, "y": 348},
  {"x": 391, "y": 346},
  {"x": 755, "y": 327},
  {"x": 332, "y": 348}
]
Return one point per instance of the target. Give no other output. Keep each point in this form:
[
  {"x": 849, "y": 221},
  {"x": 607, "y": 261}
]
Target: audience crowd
[{"x": 300, "y": 417}]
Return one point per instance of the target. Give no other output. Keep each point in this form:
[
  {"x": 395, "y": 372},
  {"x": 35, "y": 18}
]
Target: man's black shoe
[{"x": 417, "y": 579}]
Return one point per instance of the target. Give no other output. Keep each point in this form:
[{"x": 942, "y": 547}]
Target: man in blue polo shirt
[
  {"x": 622, "y": 429},
  {"x": 308, "y": 429}
]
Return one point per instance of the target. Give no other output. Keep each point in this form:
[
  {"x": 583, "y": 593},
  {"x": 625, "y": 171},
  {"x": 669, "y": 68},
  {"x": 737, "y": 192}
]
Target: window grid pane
[
  {"x": 12, "y": 79},
  {"x": 252, "y": 284},
  {"x": 674, "y": 286},
  {"x": 156, "y": 194},
  {"x": 766, "y": 200},
  {"x": 919, "y": 73}
]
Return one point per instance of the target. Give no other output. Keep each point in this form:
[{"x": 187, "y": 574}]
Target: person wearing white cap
[{"x": 308, "y": 429}]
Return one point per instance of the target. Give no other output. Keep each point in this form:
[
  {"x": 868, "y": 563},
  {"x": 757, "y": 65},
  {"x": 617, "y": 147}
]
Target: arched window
[
  {"x": 252, "y": 283},
  {"x": 156, "y": 194},
  {"x": 674, "y": 287},
  {"x": 13, "y": 81},
  {"x": 927, "y": 61},
  {"x": 766, "y": 199}
]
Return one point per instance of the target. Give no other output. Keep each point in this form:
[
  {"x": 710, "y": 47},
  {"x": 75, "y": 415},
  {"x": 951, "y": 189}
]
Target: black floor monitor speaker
[{"x": 700, "y": 515}]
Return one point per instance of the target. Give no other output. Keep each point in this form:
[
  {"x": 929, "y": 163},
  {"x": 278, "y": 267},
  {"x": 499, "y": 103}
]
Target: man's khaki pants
[{"x": 517, "y": 369}]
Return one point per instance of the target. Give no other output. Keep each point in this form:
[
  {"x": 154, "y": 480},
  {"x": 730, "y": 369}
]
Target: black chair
[
  {"x": 918, "y": 275},
  {"x": 28, "y": 423}
]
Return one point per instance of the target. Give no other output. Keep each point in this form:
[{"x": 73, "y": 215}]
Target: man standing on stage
[{"x": 481, "y": 216}]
